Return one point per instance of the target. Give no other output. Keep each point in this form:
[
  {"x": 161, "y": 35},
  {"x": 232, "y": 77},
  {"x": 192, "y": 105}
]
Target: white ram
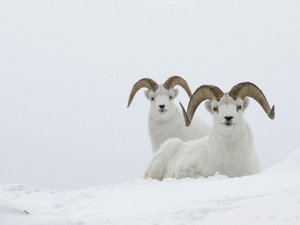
[
  {"x": 228, "y": 149},
  {"x": 165, "y": 118}
]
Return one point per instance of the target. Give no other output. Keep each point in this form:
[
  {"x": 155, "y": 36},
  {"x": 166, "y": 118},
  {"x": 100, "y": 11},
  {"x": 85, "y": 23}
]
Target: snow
[{"x": 270, "y": 198}]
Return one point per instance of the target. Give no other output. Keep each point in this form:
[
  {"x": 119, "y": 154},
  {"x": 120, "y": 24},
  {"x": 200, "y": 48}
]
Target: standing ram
[
  {"x": 228, "y": 149},
  {"x": 165, "y": 118}
]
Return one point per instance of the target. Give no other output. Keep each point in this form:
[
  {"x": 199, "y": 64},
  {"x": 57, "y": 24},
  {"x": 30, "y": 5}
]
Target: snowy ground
[{"x": 271, "y": 197}]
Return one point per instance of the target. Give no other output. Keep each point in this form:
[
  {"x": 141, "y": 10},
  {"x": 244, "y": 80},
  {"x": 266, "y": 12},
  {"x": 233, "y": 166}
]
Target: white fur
[
  {"x": 228, "y": 149},
  {"x": 168, "y": 122}
]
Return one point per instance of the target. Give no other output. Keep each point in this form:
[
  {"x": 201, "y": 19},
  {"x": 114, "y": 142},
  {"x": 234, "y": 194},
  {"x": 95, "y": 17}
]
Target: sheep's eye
[
  {"x": 215, "y": 109},
  {"x": 171, "y": 97},
  {"x": 152, "y": 99},
  {"x": 239, "y": 107}
]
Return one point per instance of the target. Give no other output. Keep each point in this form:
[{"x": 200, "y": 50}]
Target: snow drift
[{"x": 271, "y": 197}]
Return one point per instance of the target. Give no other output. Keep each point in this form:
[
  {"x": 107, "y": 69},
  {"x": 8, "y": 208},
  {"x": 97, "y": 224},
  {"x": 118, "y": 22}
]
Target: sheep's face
[
  {"x": 227, "y": 113},
  {"x": 162, "y": 105}
]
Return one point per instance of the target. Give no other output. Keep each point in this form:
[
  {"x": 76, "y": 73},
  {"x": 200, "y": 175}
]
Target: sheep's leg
[
  {"x": 156, "y": 168},
  {"x": 189, "y": 171}
]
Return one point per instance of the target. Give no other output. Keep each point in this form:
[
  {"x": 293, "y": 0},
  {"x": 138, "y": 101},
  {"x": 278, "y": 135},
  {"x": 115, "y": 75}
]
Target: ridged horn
[
  {"x": 177, "y": 80},
  {"x": 204, "y": 92},
  {"x": 249, "y": 89},
  {"x": 142, "y": 83}
]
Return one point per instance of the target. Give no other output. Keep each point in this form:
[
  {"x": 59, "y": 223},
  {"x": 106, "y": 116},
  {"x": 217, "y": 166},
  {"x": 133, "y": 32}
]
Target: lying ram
[{"x": 228, "y": 149}]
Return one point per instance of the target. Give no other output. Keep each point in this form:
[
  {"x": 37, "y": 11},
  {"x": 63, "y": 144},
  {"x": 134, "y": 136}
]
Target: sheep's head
[
  {"x": 227, "y": 112},
  {"x": 227, "y": 109},
  {"x": 160, "y": 96}
]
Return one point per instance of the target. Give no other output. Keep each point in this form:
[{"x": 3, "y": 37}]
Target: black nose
[
  {"x": 228, "y": 118},
  {"x": 161, "y": 106}
]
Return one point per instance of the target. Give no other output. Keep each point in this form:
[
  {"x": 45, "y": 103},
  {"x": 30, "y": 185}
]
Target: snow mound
[{"x": 270, "y": 198}]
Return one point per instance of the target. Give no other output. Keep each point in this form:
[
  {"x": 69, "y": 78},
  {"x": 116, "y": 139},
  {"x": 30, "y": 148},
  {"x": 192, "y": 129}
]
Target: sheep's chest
[{"x": 231, "y": 160}]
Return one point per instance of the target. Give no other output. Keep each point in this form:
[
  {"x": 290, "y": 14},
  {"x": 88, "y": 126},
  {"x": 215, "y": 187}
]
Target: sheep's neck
[
  {"x": 232, "y": 153},
  {"x": 230, "y": 141},
  {"x": 162, "y": 127},
  {"x": 160, "y": 131}
]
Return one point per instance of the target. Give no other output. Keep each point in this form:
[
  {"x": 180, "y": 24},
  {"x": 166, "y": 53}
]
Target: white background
[{"x": 67, "y": 68}]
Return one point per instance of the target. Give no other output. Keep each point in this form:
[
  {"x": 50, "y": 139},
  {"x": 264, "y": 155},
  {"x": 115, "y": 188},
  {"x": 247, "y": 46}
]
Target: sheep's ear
[
  {"x": 245, "y": 103},
  {"x": 208, "y": 106},
  {"x": 147, "y": 94},
  {"x": 175, "y": 93}
]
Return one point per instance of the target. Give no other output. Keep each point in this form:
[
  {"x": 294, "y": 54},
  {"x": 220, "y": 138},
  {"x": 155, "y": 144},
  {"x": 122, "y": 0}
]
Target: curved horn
[
  {"x": 142, "y": 83},
  {"x": 249, "y": 89},
  {"x": 204, "y": 92},
  {"x": 176, "y": 80}
]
